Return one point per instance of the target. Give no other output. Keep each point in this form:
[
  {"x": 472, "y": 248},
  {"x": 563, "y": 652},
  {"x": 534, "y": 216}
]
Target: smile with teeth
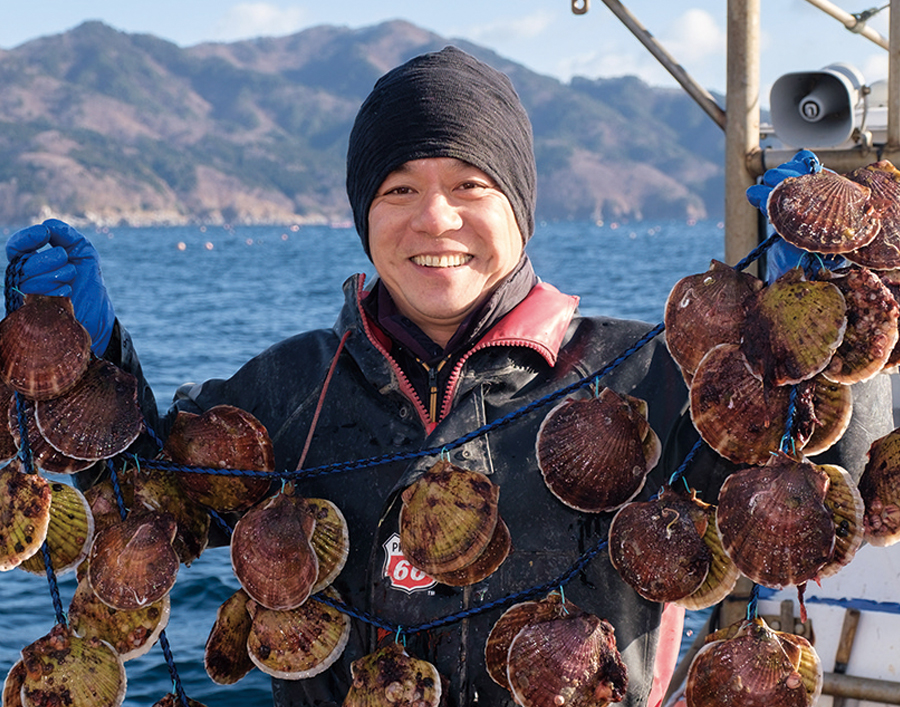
[{"x": 442, "y": 261}]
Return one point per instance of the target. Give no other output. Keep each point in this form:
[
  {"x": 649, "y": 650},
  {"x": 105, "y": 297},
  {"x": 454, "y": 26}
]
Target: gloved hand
[
  {"x": 804, "y": 162},
  {"x": 69, "y": 268}
]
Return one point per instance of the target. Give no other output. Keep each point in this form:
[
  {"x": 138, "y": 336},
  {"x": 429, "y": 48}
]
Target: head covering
[{"x": 443, "y": 104}]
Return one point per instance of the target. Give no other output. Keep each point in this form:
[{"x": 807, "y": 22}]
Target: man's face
[{"x": 442, "y": 236}]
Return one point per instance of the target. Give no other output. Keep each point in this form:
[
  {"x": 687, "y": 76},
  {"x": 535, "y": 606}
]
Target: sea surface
[{"x": 200, "y": 301}]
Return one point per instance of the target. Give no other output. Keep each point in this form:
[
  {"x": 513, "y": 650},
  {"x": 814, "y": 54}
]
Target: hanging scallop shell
[
  {"x": 132, "y": 633},
  {"x": 879, "y": 487},
  {"x": 485, "y": 564},
  {"x": 223, "y": 437},
  {"x": 723, "y": 573},
  {"x": 793, "y": 328},
  {"x": 97, "y": 418},
  {"x": 595, "y": 453},
  {"x": 705, "y": 310},
  {"x": 24, "y": 515},
  {"x": 160, "y": 491},
  {"x": 657, "y": 546},
  {"x": 9, "y": 445},
  {"x": 298, "y": 643},
  {"x": 103, "y": 502},
  {"x": 754, "y": 666},
  {"x": 225, "y": 656},
  {"x": 513, "y": 620},
  {"x": 133, "y": 563},
  {"x": 823, "y": 213},
  {"x": 43, "y": 455},
  {"x": 390, "y": 677},
  {"x": 734, "y": 412},
  {"x": 69, "y": 533},
  {"x": 847, "y": 509},
  {"x": 774, "y": 522},
  {"x": 12, "y": 686},
  {"x": 448, "y": 518},
  {"x": 891, "y": 280},
  {"x": 571, "y": 660},
  {"x": 871, "y": 334},
  {"x": 271, "y": 553},
  {"x": 883, "y": 253},
  {"x": 330, "y": 541},
  {"x": 833, "y": 407},
  {"x": 64, "y": 669},
  {"x": 44, "y": 350}
]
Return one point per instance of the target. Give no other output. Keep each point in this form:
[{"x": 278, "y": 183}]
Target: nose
[{"x": 436, "y": 214}]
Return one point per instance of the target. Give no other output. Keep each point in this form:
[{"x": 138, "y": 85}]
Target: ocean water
[{"x": 199, "y": 302}]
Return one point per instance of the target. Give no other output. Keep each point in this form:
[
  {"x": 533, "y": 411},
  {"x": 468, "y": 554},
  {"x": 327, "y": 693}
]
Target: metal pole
[
  {"x": 695, "y": 90},
  {"x": 850, "y": 22},
  {"x": 741, "y": 127},
  {"x": 893, "y": 126}
]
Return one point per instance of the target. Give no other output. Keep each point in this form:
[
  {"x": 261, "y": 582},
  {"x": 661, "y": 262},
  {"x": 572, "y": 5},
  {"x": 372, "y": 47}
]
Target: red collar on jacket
[{"x": 539, "y": 322}]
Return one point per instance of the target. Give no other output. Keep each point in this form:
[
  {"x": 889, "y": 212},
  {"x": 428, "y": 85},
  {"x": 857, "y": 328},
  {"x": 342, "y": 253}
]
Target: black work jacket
[{"x": 369, "y": 410}]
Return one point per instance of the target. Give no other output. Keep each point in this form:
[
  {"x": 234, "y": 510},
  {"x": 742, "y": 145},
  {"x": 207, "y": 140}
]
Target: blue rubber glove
[
  {"x": 69, "y": 268},
  {"x": 804, "y": 162}
]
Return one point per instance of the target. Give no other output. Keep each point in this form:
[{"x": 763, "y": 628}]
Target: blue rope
[
  {"x": 173, "y": 671},
  {"x": 54, "y": 586}
]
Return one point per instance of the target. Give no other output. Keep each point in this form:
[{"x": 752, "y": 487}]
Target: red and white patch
[{"x": 399, "y": 572}]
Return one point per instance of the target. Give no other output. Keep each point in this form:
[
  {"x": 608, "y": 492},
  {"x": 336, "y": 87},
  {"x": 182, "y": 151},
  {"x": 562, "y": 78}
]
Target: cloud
[
  {"x": 506, "y": 30},
  {"x": 695, "y": 35},
  {"x": 256, "y": 19}
]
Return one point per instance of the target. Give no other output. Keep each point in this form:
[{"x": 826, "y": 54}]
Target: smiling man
[{"x": 456, "y": 332}]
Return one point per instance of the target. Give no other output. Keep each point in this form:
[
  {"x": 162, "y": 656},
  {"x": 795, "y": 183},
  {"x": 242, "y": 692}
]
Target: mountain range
[{"x": 105, "y": 127}]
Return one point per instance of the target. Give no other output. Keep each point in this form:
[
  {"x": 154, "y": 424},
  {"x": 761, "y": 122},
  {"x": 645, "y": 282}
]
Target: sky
[{"x": 544, "y": 35}]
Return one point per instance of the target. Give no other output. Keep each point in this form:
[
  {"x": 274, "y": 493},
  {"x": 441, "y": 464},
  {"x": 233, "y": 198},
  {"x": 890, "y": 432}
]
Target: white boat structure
[{"x": 853, "y": 616}]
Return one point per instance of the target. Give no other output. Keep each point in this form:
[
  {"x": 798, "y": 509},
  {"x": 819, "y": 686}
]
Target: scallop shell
[
  {"x": 97, "y": 418},
  {"x": 298, "y": 643},
  {"x": 132, "y": 633},
  {"x": 43, "y": 455},
  {"x": 485, "y": 564},
  {"x": 64, "y": 669},
  {"x": 705, "y": 310},
  {"x": 595, "y": 453},
  {"x": 723, "y": 573},
  {"x": 807, "y": 663},
  {"x": 793, "y": 328},
  {"x": 751, "y": 668},
  {"x": 833, "y": 407},
  {"x": 160, "y": 491},
  {"x": 505, "y": 629},
  {"x": 225, "y": 656},
  {"x": 883, "y": 253},
  {"x": 133, "y": 563},
  {"x": 571, "y": 660},
  {"x": 848, "y": 511},
  {"x": 879, "y": 487},
  {"x": 271, "y": 553},
  {"x": 330, "y": 540},
  {"x": 44, "y": 350},
  {"x": 447, "y": 518},
  {"x": 103, "y": 502},
  {"x": 734, "y": 412},
  {"x": 69, "y": 533},
  {"x": 391, "y": 677},
  {"x": 871, "y": 334},
  {"x": 774, "y": 522},
  {"x": 657, "y": 546},
  {"x": 891, "y": 280},
  {"x": 823, "y": 213},
  {"x": 223, "y": 437},
  {"x": 12, "y": 686},
  {"x": 9, "y": 445},
  {"x": 24, "y": 515}
]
